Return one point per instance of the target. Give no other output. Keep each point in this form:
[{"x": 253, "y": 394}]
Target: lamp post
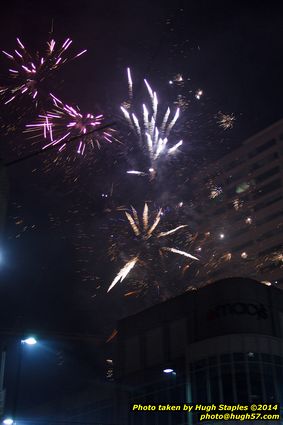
[
  {"x": 2, "y": 374},
  {"x": 27, "y": 341},
  {"x": 12, "y": 420}
]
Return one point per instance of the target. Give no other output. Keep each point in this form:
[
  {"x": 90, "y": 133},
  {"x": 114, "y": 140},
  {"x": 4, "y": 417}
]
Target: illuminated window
[{"x": 243, "y": 187}]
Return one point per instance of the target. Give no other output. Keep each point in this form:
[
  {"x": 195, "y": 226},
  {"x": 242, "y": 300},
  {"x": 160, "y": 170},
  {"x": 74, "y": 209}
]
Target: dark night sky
[{"x": 232, "y": 51}]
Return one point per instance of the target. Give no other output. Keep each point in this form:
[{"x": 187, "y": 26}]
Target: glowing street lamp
[
  {"x": 169, "y": 371},
  {"x": 8, "y": 421},
  {"x": 29, "y": 341}
]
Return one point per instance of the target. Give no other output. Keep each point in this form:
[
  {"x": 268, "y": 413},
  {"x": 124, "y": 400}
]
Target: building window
[
  {"x": 244, "y": 378},
  {"x": 271, "y": 233},
  {"x": 238, "y": 232},
  {"x": 270, "y": 187},
  {"x": 270, "y": 250},
  {"x": 262, "y": 148},
  {"x": 243, "y": 187},
  {"x": 268, "y": 159},
  {"x": 270, "y": 218},
  {"x": 227, "y": 382},
  {"x": 268, "y": 202},
  {"x": 255, "y": 382},
  {"x": 241, "y": 382},
  {"x": 154, "y": 346},
  {"x": 132, "y": 360},
  {"x": 243, "y": 245},
  {"x": 267, "y": 174},
  {"x": 214, "y": 383},
  {"x": 232, "y": 164},
  {"x": 269, "y": 384},
  {"x": 233, "y": 178},
  {"x": 201, "y": 386}
]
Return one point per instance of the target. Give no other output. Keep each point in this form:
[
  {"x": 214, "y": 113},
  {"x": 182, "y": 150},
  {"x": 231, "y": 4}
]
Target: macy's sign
[{"x": 237, "y": 309}]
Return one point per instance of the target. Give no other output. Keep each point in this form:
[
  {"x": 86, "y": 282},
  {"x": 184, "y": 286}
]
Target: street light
[
  {"x": 29, "y": 341},
  {"x": 8, "y": 421},
  {"x": 169, "y": 371}
]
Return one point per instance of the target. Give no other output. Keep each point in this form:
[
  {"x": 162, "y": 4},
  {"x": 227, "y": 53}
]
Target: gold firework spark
[
  {"x": 123, "y": 273},
  {"x": 144, "y": 233},
  {"x": 226, "y": 121}
]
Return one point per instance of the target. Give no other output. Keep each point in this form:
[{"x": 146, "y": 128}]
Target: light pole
[
  {"x": 2, "y": 374},
  {"x": 12, "y": 420},
  {"x": 27, "y": 341}
]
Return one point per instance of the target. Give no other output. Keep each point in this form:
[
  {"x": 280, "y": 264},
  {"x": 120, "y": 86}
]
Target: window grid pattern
[
  {"x": 170, "y": 390},
  {"x": 226, "y": 378},
  {"x": 237, "y": 378}
]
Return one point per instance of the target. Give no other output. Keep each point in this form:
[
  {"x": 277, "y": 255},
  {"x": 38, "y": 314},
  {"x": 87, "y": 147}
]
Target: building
[
  {"x": 239, "y": 199},
  {"x": 3, "y": 197},
  {"x": 223, "y": 344},
  {"x": 92, "y": 406}
]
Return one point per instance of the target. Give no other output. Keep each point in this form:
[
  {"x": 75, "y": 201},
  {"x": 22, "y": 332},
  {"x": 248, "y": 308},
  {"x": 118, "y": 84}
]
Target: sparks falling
[
  {"x": 152, "y": 130},
  {"x": 65, "y": 122},
  {"x": 147, "y": 241},
  {"x": 27, "y": 72},
  {"x": 226, "y": 121}
]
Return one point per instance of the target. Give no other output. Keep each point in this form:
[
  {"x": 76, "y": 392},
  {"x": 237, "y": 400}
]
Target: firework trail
[
  {"x": 65, "y": 122},
  {"x": 145, "y": 242},
  {"x": 130, "y": 84},
  {"x": 27, "y": 72},
  {"x": 152, "y": 130}
]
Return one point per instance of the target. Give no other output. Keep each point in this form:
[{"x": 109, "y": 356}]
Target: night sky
[{"x": 233, "y": 52}]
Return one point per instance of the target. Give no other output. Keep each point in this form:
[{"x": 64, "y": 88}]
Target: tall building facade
[
  {"x": 223, "y": 343},
  {"x": 239, "y": 200},
  {"x": 92, "y": 406},
  {"x": 3, "y": 197}
]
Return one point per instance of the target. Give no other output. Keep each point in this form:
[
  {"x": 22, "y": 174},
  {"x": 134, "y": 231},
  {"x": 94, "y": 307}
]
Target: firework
[
  {"x": 276, "y": 258},
  {"x": 147, "y": 241},
  {"x": 238, "y": 204},
  {"x": 178, "y": 79},
  {"x": 65, "y": 122},
  {"x": 130, "y": 84},
  {"x": 215, "y": 191},
  {"x": 27, "y": 72},
  {"x": 112, "y": 336},
  {"x": 182, "y": 102},
  {"x": 198, "y": 94},
  {"x": 226, "y": 121},
  {"x": 152, "y": 131}
]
